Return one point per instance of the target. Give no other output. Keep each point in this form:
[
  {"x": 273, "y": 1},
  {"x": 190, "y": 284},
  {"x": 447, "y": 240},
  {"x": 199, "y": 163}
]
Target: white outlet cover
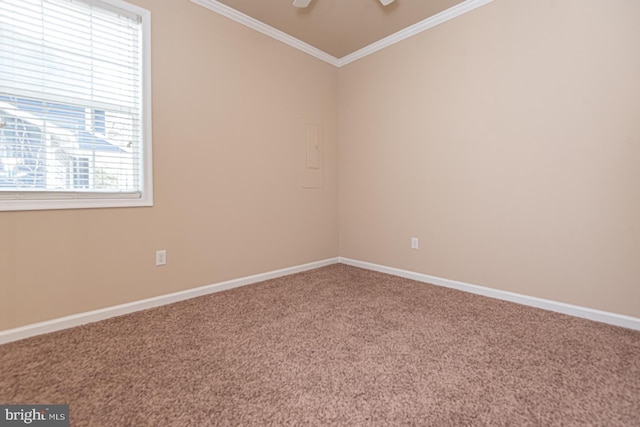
[{"x": 161, "y": 257}]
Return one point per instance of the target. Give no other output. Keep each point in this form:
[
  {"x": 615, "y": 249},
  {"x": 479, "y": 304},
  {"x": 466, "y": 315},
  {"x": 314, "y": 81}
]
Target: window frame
[{"x": 46, "y": 200}]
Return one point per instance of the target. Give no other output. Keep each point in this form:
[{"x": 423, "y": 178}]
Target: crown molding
[
  {"x": 241, "y": 18},
  {"x": 268, "y": 30},
  {"x": 432, "y": 21}
]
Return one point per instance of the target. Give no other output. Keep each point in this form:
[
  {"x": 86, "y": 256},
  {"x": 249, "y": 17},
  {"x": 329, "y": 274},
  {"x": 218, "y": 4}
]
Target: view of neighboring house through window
[{"x": 74, "y": 113}]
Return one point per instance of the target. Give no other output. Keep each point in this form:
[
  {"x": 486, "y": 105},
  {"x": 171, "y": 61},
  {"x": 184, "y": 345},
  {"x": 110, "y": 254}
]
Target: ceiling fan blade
[
  {"x": 386, "y": 2},
  {"x": 302, "y": 3}
]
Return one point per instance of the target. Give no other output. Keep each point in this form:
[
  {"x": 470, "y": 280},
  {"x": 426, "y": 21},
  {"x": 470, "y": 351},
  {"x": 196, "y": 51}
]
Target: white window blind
[{"x": 74, "y": 104}]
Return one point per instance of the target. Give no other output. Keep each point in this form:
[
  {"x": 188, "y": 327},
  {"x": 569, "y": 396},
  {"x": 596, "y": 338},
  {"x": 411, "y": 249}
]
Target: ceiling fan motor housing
[
  {"x": 301, "y": 3},
  {"x": 305, "y": 3}
]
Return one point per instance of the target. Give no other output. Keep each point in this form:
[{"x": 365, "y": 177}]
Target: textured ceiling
[{"x": 340, "y": 27}]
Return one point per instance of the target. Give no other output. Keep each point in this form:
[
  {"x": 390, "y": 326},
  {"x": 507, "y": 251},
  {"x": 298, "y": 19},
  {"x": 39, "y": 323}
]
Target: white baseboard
[
  {"x": 118, "y": 310},
  {"x": 559, "y": 307}
]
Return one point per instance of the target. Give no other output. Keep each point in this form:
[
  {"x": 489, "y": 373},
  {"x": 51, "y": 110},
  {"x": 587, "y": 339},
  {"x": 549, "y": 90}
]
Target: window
[
  {"x": 75, "y": 104},
  {"x": 81, "y": 172}
]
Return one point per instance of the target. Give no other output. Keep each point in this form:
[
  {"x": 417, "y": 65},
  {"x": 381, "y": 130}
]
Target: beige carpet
[{"x": 333, "y": 346}]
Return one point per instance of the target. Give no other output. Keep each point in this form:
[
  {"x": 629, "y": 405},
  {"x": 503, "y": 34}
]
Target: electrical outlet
[
  {"x": 414, "y": 243},
  {"x": 161, "y": 257}
]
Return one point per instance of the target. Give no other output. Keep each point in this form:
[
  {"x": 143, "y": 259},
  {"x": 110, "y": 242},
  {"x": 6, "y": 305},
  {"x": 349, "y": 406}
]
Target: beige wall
[
  {"x": 508, "y": 141},
  {"x": 228, "y": 200}
]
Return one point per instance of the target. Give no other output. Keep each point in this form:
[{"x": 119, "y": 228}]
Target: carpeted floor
[{"x": 334, "y": 346}]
